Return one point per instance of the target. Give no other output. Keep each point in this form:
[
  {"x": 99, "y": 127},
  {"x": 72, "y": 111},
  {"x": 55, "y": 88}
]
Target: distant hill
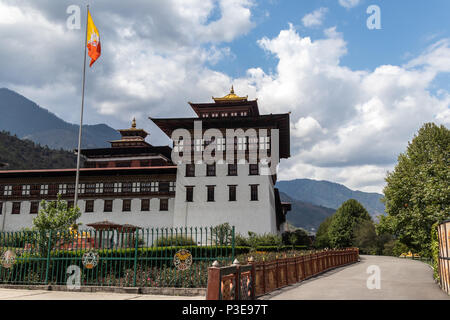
[
  {"x": 24, "y": 154},
  {"x": 330, "y": 194},
  {"x": 305, "y": 215},
  {"x": 27, "y": 120}
]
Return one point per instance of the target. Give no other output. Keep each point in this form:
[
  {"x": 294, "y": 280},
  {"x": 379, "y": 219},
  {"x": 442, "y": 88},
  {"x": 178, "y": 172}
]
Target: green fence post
[
  {"x": 48, "y": 256},
  {"x": 232, "y": 244},
  {"x": 135, "y": 257}
]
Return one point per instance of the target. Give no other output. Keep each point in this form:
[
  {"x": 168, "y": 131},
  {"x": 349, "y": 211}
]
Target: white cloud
[
  {"x": 314, "y": 18},
  {"x": 349, "y": 3},
  {"x": 347, "y": 125}
]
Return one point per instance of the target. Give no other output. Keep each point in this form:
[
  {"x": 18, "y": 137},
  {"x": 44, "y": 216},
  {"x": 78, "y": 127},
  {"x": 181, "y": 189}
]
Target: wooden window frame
[
  {"x": 253, "y": 169},
  {"x": 34, "y": 207},
  {"x": 89, "y": 206},
  {"x": 190, "y": 170},
  {"x": 211, "y": 170},
  {"x": 16, "y": 205},
  {"x": 145, "y": 204},
  {"x": 126, "y": 205},
  {"x": 189, "y": 193},
  {"x": 164, "y": 207},
  {"x": 108, "y": 205},
  {"x": 254, "y": 192},
  {"x": 232, "y": 191},
  {"x": 210, "y": 193}
]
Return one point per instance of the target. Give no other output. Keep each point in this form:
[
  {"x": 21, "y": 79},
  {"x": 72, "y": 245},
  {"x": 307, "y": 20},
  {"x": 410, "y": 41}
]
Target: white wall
[
  {"x": 144, "y": 219},
  {"x": 244, "y": 214}
]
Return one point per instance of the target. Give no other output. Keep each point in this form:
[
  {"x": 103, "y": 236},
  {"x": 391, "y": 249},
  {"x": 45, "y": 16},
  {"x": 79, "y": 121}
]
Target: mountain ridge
[{"x": 22, "y": 117}]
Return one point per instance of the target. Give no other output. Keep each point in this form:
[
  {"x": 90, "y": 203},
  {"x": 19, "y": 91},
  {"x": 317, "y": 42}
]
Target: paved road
[
  {"x": 23, "y": 294},
  {"x": 400, "y": 279}
]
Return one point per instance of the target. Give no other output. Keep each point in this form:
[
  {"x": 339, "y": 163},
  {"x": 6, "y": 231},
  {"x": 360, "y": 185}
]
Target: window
[
  {"x": 70, "y": 204},
  {"x": 232, "y": 169},
  {"x": 99, "y": 188},
  {"x": 126, "y": 205},
  {"x": 145, "y": 204},
  {"x": 62, "y": 188},
  {"x": 264, "y": 143},
  {"x": 189, "y": 194},
  {"x": 108, "y": 206},
  {"x": 198, "y": 145},
  {"x": 70, "y": 188},
  {"x": 232, "y": 193},
  {"x": 44, "y": 189},
  {"x": 7, "y": 191},
  {"x": 254, "y": 192},
  {"x": 136, "y": 187},
  {"x": 81, "y": 188},
  {"x": 26, "y": 190},
  {"x": 126, "y": 187},
  {"x": 163, "y": 204},
  {"x": 34, "y": 207},
  {"x": 253, "y": 169},
  {"x": 242, "y": 143},
  {"x": 89, "y": 206},
  {"x": 211, "y": 170},
  {"x": 190, "y": 170},
  {"x": 154, "y": 186},
  {"x": 178, "y": 146},
  {"x": 210, "y": 193},
  {"x": 220, "y": 144},
  {"x": 16, "y": 208},
  {"x": 117, "y": 187},
  {"x": 108, "y": 187},
  {"x": 90, "y": 188}
]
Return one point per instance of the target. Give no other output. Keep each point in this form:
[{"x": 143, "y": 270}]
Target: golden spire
[
  {"x": 133, "y": 123},
  {"x": 230, "y": 97}
]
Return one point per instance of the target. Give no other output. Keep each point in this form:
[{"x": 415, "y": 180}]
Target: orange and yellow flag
[{"x": 93, "y": 40}]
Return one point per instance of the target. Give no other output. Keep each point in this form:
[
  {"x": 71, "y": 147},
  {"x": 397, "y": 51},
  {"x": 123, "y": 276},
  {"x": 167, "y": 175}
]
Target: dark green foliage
[
  {"x": 176, "y": 241},
  {"x": 24, "y": 154},
  {"x": 435, "y": 251},
  {"x": 322, "y": 236},
  {"x": 417, "y": 194},
  {"x": 223, "y": 234},
  {"x": 365, "y": 237},
  {"x": 344, "y": 223},
  {"x": 298, "y": 237}
]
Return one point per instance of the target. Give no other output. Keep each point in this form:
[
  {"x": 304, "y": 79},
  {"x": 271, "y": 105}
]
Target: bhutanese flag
[{"x": 93, "y": 40}]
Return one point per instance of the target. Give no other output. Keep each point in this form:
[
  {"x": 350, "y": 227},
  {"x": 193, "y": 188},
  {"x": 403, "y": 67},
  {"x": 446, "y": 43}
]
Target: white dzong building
[{"x": 136, "y": 183}]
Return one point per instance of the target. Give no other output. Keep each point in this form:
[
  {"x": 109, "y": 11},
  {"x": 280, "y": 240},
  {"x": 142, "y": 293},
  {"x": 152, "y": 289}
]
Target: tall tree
[
  {"x": 344, "y": 223},
  {"x": 417, "y": 193}
]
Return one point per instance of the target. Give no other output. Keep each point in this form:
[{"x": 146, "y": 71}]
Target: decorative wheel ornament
[
  {"x": 8, "y": 259},
  {"x": 90, "y": 259},
  {"x": 182, "y": 259}
]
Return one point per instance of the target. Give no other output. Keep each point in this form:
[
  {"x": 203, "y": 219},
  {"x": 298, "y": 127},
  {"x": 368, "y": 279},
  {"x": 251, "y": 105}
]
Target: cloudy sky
[{"x": 356, "y": 95}]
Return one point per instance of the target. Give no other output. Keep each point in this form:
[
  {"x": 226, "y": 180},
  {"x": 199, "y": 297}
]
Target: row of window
[
  {"x": 211, "y": 169},
  {"x": 88, "y": 188},
  {"x": 210, "y": 192},
  {"x": 89, "y": 206},
  {"x": 220, "y": 144},
  {"x": 224, "y": 114}
]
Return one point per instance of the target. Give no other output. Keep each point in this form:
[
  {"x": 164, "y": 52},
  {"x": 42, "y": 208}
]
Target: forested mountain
[
  {"x": 24, "y": 154},
  {"x": 27, "y": 120},
  {"x": 330, "y": 194},
  {"x": 305, "y": 215}
]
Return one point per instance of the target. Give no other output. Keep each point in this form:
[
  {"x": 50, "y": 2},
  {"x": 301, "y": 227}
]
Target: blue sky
[{"x": 356, "y": 96}]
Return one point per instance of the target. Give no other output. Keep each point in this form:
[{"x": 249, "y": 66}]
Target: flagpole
[{"x": 75, "y": 201}]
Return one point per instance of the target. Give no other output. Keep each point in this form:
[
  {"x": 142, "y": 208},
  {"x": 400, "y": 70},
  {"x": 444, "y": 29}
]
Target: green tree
[
  {"x": 345, "y": 220},
  {"x": 417, "y": 193},
  {"x": 56, "y": 216},
  {"x": 322, "y": 237},
  {"x": 365, "y": 237},
  {"x": 222, "y": 234}
]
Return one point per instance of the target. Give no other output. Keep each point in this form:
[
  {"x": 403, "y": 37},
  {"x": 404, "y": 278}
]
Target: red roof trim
[{"x": 85, "y": 169}]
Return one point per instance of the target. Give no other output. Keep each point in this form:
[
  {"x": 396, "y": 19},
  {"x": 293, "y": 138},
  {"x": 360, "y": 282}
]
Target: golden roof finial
[
  {"x": 133, "y": 123},
  {"x": 230, "y": 97}
]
